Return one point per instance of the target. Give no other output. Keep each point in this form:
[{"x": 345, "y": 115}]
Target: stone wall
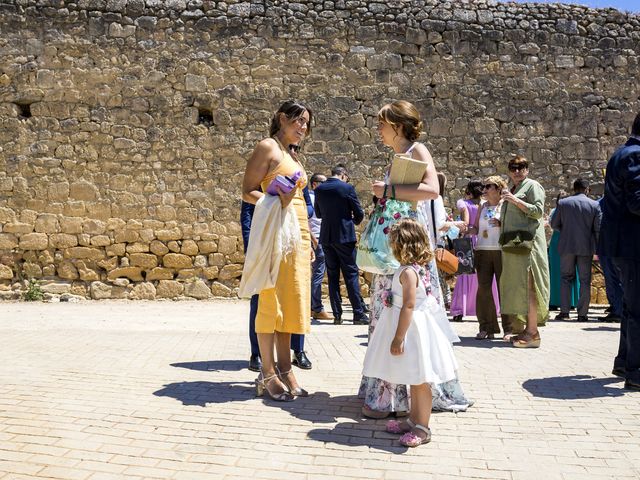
[{"x": 125, "y": 124}]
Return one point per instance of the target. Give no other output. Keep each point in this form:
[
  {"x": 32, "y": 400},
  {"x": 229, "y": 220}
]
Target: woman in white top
[{"x": 488, "y": 259}]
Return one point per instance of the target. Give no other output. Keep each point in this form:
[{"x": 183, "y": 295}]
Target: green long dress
[
  {"x": 514, "y": 295},
  {"x": 555, "y": 277}
]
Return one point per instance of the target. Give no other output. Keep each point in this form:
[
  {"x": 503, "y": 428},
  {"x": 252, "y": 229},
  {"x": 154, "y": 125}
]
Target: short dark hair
[
  {"x": 580, "y": 185},
  {"x": 518, "y": 160},
  {"x": 339, "y": 169},
  {"x": 635, "y": 129},
  {"x": 316, "y": 178},
  {"x": 474, "y": 188}
]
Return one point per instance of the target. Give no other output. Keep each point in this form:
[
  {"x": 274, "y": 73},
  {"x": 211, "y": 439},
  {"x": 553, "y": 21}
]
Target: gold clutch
[{"x": 406, "y": 170}]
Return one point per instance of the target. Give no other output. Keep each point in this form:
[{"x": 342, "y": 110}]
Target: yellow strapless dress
[{"x": 287, "y": 307}]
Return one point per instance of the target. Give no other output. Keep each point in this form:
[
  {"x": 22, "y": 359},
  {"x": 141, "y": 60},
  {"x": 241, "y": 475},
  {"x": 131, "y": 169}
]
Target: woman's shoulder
[
  {"x": 267, "y": 144},
  {"x": 420, "y": 151}
]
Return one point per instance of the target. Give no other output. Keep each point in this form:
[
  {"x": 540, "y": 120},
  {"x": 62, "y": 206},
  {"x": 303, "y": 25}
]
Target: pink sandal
[
  {"x": 411, "y": 439},
  {"x": 396, "y": 427}
]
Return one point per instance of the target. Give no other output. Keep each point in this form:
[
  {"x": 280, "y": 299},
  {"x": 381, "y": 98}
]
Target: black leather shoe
[
  {"x": 361, "y": 320},
  {"x": 337, "y": 319},
  {"x": 619, "y": 372},
  {"x": 365, "y": 309},
  {"x": 583, "y": 318},
  {"x": 255, "y": 363},
  {"x": 301, "y": 360},
  {"x": 611, "y": 318},
  {"x": 631, "y": 385},
  {"x": 562, "y": 316}
]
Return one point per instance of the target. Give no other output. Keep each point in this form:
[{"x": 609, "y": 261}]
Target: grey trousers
[{"x": 568, "y": 263}]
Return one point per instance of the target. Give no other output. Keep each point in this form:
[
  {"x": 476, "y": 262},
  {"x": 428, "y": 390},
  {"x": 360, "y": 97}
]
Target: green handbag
[{"x": 519, "y": 242}]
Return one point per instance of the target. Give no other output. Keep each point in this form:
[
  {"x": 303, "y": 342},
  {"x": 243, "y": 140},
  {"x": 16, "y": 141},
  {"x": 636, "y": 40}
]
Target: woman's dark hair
[
  {"x": 518, "y": 160},
  {"x": 635, "y": 128},
  {"x": 291, "y": 110},
  {"x": 442, "y": 182},
  {"x": 404, "y": 115},
  {"x": 474, "y": 188}
]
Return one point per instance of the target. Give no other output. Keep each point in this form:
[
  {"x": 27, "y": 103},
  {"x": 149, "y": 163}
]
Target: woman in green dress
[
  {"x": 554, "y": 272},
  {"x": 524, "y": 283}
]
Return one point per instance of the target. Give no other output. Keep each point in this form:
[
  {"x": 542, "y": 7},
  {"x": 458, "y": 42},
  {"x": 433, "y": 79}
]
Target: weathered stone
[
  {"x": 227, "y": 245},
  {"x": 210, "y": 273},
  {"x": 34, "y": 241},
  {"x": 160, "y": 273},
  {"x": 84, "y": 253},
  {"x": 189, "y": 247},
  {"x": 56, "y": 288},
  {"x": 126, "y": 236},
  {"x": 158, "y": 248},
  {"x": 108, "y": 264},
  {"x": 67, "y": 270},
  {"x": 8, "y": 241},
  {"x": 169, "y": 289},
  {"x": 177, "y": 260},
  {"x": 62, "y": 240},
  {"x": 71, "y": 225},
  {"x": 6, "y": 273},
  {"x": 143, "y": 291},
  {"x": 230, "y": 271},
  {"x": 170, "y": 234},
  {"x": 18, "y": 227},
  {"x": 132, "y": 273},
  {"x": 143, "y": 260},
  {"x": 47, "y": 223},
  {"x": 100, "y": 241},
  {"x": 93, "y": 227},
  {"x": 197, "y": 289},
  {"x": 116, "y": 250},
  {"x": 220, "y": 290},
  {"x": 100, "y": 291},
  {"x": 137, "y": 247},
  {"x": 86, "y": 273}
]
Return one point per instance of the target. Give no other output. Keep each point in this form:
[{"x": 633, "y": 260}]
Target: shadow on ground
[
  {"x": 601, "y": 328},
  {"x": 472, "y": 342},
  {"x": 214, "y": 365},
  {"x": 574, "y": 387},
  {"x": 203, "y": 393}
]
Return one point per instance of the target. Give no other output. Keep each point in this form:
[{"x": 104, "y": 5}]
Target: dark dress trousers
[
  {"x": 619, "y": 240},
  {"x": 337, "y": 204}
]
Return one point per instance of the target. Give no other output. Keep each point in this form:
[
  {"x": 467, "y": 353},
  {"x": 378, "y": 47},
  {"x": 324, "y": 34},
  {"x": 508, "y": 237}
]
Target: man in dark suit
[
  {"x": 577, "y": 218},
  {"x": 619, "y": 240},
  {"x": 337, "y": 204}
]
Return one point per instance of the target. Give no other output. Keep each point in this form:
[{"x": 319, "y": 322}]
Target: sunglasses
[
  {"x": 488, "y": 186},
  {"x": 515, "y": 168}
]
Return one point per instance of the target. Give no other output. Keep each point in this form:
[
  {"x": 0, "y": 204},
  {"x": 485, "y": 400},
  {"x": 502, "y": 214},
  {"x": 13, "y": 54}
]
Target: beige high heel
[
  {"x": 262, "y": 387},
  {"x": 298, "y": 391}
]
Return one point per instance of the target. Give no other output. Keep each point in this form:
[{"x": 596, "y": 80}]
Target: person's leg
[
  {"x": 274, "y": 386},
  {"x": 567, "y": 275},
  {"x": 420, "y": 414},
  {"x": 584, "y": 274},
  {"x": 333, "y": 276},
  {"x": 297, "y": 342},
  {"x": 283, "y": 341},
  {"x": 485, "y": 305},
  {"x": 507, "y": 329},
  {"x": 253, "y": 337},
  {"x": 347, "y": 257},
  {"x": 612, "y": 286},
  {"x": 629, "y": 350},
  {"x": 317, "y": 275}
]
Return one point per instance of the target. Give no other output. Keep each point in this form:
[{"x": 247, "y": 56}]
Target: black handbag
[{"x": 463, "y": 248}]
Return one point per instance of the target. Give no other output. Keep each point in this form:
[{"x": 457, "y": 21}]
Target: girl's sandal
[
  {"x": 411, "y": 439},
  {"x": 396, "y": 427}
]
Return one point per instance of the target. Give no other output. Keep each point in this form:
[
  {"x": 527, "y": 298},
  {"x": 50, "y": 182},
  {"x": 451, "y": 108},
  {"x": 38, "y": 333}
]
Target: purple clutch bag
[{"x": 285, "y": 182}]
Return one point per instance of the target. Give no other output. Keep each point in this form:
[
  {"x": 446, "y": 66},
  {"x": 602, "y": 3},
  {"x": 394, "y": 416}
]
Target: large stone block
[
  {"x": 177, "y": 261},
  {"x": 18, "y": 227},
  {"x": 160, "y": 273},
  {"x": 8, "y": 241},
  {"x": 227, "y": 245},
  {"x": 88, "y": 253},
  {"x": 169, "y": 289},
  {"x": 6, "y": 273},
  {"x": 47, "y": 223},
  {"x": 197, "y": 289},
  {"x": 144, "y": 260},
  {"x": 143, "y": 291},
  {"x": 132, "y": 273},
  {"x": 34, "y": 241}
]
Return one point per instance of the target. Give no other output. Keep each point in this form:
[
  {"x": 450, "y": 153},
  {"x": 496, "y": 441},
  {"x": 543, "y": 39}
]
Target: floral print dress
[{"x": 382, "y": 396}]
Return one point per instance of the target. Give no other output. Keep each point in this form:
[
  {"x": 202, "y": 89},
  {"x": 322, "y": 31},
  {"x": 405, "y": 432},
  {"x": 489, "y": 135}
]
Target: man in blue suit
[
  {"x": 619, "y": 234},
  {"x": 337, "y": 204}
]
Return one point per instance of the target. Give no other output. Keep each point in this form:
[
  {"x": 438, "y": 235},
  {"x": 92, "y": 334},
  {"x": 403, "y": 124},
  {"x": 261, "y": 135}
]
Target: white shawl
[{"x": 275, "y": 233}]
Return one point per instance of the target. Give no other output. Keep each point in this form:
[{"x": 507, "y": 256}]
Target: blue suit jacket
[
  {"x": 620, "y": 228},
  {"x": 577, "y": 218},
  {"x": 339, "y": 208}
]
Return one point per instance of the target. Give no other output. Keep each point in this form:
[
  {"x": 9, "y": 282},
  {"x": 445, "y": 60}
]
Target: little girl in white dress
[{"x": 412, "y": 340}]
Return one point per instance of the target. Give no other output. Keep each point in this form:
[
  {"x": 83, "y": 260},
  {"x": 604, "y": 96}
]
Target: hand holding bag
[{"x": 464, "y": 252}]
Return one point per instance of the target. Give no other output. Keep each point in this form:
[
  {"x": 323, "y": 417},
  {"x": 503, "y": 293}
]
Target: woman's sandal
[
  {"x": 397, "y": 428},
  {"x": 526, "y": 340},
  {"x": 296, "y": 392},
  {"x": 411, "y": 439},
  {"x": 262, "y": 387},
  {"x": 482, "y": 335}
]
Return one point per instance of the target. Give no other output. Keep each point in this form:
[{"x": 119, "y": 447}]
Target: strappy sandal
[
  {"x": 262, "y": 388},
  {"x": 412, "y": 440},
  {"x": 396, "y": 427},
  {"x": 526, "y": 340},
  {"x": 296, "y": 392},
  {"x": 482, "y": 335}
]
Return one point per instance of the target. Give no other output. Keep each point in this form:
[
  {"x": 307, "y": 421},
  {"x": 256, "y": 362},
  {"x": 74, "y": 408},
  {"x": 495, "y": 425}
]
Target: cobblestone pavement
[{"x": 133, "y": 390}]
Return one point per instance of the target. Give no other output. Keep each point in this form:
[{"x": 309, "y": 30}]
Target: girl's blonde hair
[{"x": 410, "y": 243}]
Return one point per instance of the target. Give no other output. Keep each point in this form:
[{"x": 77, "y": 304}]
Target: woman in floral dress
[{"x": 399, "y": 126}]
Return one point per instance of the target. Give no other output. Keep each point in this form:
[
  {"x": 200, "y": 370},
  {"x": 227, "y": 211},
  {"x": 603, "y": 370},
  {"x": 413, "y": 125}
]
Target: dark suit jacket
[
  {"x": 339, "y": 208},
  {"x": 577, "y": 218},
  {"x": 620, "y": 229}
]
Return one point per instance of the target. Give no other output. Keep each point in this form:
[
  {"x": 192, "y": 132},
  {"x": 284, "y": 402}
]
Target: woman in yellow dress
[{"x": 284, "y": 309}]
